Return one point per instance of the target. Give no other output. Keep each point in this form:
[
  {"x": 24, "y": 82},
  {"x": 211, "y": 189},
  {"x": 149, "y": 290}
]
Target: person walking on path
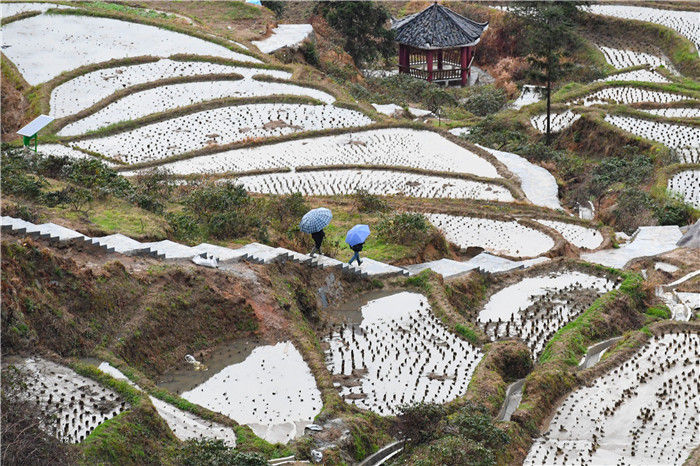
[
  {"x": 313, "y": 222},
  {"x": 356, "y": 238},
  {"x": 356, "y": 257},
  {"x": 318, "y": 240}
]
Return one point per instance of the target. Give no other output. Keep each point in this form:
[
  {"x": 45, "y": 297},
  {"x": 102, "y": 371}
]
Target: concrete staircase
[
  {"x": 210, "y": 255},
  {"x": 201, "y": 254}
]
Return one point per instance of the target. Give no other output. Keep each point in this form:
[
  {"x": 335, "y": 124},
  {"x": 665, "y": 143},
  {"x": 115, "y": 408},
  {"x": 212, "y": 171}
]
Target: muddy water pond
[{"x": 268, "y": 387}]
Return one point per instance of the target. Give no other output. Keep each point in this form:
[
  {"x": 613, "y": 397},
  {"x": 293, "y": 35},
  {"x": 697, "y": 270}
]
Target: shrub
[
  {"x": 95, "y": 176},
  {"x": 633, "y": 209},
  {"x": 310, "y": 53},
  {"x": 363, "y": 25},
  {"x": 475, "y": 423},
  {"x": 454, "y": 450},
  {"x": 404, "y": 228},
  {"x": 216, "y": 453},
  {"x": 420, "y": 422},
  {"x": 673, "y": 210},
  {"x": 287, "y": 211},
  {"x": 184, "y": 227},
  {"x": 484, "y": 100},
  {"x": 366, "y": 202},
  {"x": 275, "y": 6}
]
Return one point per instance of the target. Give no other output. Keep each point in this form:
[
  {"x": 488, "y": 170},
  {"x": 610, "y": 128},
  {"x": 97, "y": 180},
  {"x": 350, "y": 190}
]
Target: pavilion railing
[{"x": 438, "y": 75}]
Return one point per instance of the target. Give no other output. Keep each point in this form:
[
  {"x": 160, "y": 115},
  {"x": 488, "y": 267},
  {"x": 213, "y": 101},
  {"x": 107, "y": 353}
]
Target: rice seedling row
[
  {"x": 44, "y": 46},
  {"x": 86, "y": 90},
  {"x": 535, "y": 308},
  {"x": 579, "y": 236},
  {"x": 625, "y": 58},
  {"x": 687, "y": 184},
  {"x": 379, "y": 182},
  {"x": 627, "y": 95},
  {"x": 683, "y": 22},
  {"x": 637, "y": 75},
  {"x": 497, "y": 236},
  {"x": 399, "y": 353},
  {"x": 75, "y": 404},
  {"x": 557, "y": 122},
  {"x": 681, "y": 112},
  {"x": 221, "y": 126},
  {"x": 644, "y": 411},
  {"x": 396, "y": 147},
  {"x": 172, "y": 96},
  {"x": 685, "y": 140}
]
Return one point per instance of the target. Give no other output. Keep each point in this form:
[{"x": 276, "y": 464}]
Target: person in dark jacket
[
  {"x": 356, "y": 257},
  {"x": 318, "y": 240}
]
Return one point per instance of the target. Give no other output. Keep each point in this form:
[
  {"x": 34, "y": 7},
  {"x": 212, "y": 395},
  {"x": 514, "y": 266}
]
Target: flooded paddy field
[
  {"x": 645, "y": 411},
  {"x": 394, "y": 351},
  {"x": 267, "y": 387},
  {"x": 75, "y": 404},
  {"x": 535, "y": 308}
]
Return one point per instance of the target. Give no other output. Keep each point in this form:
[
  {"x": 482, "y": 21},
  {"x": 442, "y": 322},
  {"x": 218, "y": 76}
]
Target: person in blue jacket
[{"x": 356, "y": 257}]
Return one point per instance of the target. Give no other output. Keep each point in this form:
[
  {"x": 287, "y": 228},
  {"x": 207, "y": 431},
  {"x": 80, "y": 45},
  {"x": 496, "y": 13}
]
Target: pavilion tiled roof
[{"x": 438, "y": 27}]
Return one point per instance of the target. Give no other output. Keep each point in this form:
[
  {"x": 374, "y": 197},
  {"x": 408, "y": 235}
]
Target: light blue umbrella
[
  {"x": 315, "y": 220},
  {"x": 357, "y": 234}
]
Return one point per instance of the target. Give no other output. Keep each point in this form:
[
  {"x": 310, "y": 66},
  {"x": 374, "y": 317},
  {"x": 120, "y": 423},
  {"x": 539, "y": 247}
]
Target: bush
[
  {"x": 673, "y": 210},
  {"x": 275, "y": 6},
  {"x": 287, "y": 211},
  {"x": 484, "y": 100},
  {"x": 633, "y": 209},
  {"x": 474, "y": 422},
  {"x": 95, "y": 176},
  {"x": 404, "y": 228},
  {"x": 420, "y": 422},
  {"x": 224, "y": 210},
  {"x": 216, "y": 453},
  {"x": 366, "y": 202},
  {"x": 308, "y": 50},
  {"x": 184, "y": 227},
  {"x": 454, "y": 451}
]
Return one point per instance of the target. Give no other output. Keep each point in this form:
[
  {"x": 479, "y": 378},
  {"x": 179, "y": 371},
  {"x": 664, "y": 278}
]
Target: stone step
[
  {"x": 267, "y": 255},
  {"x": 221, "y": 253},
  {"x": 485, "y": 262},
  {"x": 372, "y": 268},
  {"x": 167, "y": 249},
  {"x": 121, "y": 244},
  {"x": 325, "y": 262},
  {"x": 17, "y": 225},
  {"x": 54, "y": 232}
]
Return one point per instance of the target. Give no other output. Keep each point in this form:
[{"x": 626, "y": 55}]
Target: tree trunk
[{"x": 549, "y": 104}]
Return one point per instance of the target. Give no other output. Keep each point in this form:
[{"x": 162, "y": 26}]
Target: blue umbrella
[
  {"x": 357, "y": 234},
  {"x": 315, "y": 220}
]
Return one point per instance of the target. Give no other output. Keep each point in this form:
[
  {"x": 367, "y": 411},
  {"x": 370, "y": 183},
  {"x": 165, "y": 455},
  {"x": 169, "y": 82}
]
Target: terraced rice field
[
  {"x": 86, "y": 90},
  {"x": 645, "y": 411},
  {"x": 535, "y": 308},
  {"x": 83, "y": 40},
  {"x": 627, "y": 95},
  {"x": 557, "y": 122},
  {"x": 272, "y": 391},
  {"x": 398, "y": 353},
  {"x": 687, "y": 184},
  {"x": 499, "y": 237},
  {"x": 220, "y": 126},
  {"x": 284, "y": 35},
  {"x": 638, "y": 75},
  {"x": 395, "y": 147},
  {"x": 626, "y": 58},
  {"x": 683, "y": 22},
  {"x": 78, "y": 404},
  {"x": 685, "y": 140},
  {"x": 11, "y": 9},
  {"x": 379, "y": 182},
  {"x": 172, "y": 96},
  {"x": 59, "y": 150},
  {"x": 681, "y": 112},
  {"x": 578, "y": 235},
  {"x": 185, "y": 425}
]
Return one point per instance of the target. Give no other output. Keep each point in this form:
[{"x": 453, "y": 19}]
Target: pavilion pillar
[
  {"x": 429, "y": 62},
  {"x": 439, "y": 57},
  {"x": 402, "y": 59},
  {"x": 463, "y": 64}
]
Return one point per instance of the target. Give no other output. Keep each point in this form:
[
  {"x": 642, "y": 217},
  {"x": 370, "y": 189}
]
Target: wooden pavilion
[{"x": 437, "y": 44}]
